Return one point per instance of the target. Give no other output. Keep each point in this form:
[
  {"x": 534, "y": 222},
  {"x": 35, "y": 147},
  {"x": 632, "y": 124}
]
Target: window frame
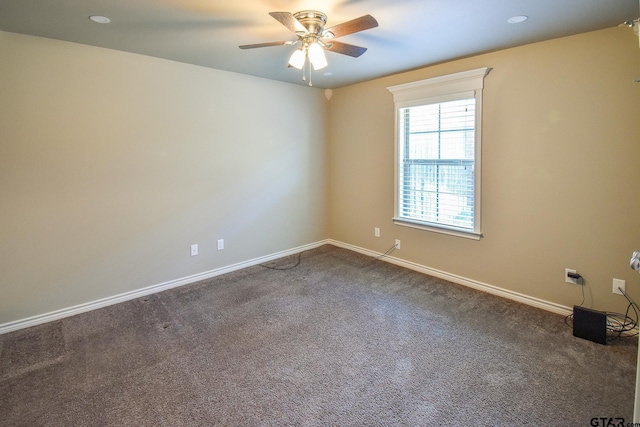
[{"x": 466, "y": 84}]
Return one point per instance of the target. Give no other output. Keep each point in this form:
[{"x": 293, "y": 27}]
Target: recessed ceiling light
[
  {"x": 100, "y": 19},
  {"x": 517, "y": 19}
]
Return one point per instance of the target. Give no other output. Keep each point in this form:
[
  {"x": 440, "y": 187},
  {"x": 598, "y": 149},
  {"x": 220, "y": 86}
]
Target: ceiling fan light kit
[
  {"x": 316, "y": 56},
  {"x": 308, "y": 26}
]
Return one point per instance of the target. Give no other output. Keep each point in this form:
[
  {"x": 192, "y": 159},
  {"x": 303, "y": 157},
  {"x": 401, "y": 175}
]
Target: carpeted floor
[{"x": 341, "y": 339}]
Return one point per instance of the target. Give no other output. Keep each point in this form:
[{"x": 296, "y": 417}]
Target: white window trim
[{"x": 439, "y": 89}]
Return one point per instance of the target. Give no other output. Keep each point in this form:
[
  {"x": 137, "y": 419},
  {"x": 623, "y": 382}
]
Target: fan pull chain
[{"x": 304, "y": 76}]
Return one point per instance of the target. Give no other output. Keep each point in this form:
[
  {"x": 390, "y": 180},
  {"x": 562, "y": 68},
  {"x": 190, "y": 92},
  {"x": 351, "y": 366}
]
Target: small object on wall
[
  {"x": 634, "y": 24},
  {"x": 635, "y": 261}
]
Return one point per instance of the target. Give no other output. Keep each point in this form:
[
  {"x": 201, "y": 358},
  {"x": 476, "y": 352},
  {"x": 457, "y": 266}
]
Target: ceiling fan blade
[
  {"x": 346, "y": 49},
  {"x": 253, "y": 46},
  {"x": 288, "y": 20},
  {"x": 359, "y": 24}
]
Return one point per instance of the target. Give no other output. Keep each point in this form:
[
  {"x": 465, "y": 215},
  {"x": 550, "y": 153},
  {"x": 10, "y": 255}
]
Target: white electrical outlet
[
  {"x": 397, "y": 243},
  {"x": 220, "y": 244},
  {"x": 194, "y": 250},
  {"x": 376, "y": 232},
  {"x": 618, "y": 283},
  {"x": 570, "y": 279}
]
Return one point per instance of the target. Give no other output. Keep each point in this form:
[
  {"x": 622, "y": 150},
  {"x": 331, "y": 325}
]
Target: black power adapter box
[{"x": 590, "y": 324}]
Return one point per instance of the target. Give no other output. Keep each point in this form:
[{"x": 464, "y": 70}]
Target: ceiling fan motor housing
[{"x": 312, "y": 20}]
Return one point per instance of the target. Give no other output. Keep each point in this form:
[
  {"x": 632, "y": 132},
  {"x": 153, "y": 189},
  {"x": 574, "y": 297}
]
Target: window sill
[{"x": 438, "y": 229}]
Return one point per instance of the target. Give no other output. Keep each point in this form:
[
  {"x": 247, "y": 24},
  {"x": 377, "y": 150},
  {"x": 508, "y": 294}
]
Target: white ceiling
[{"x": 411, "y": 33}]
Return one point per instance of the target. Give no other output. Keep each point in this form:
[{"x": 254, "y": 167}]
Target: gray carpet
[{"x": 341, "y": 339}]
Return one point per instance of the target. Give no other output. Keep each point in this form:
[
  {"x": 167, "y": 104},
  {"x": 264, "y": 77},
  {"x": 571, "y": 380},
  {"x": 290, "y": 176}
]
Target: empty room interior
[{"x": 131, "y": 173}]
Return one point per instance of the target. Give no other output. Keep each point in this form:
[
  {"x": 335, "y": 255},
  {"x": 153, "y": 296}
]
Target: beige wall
[
  {"x": 561, "y": 170},
  {"x": 113, "y": 164}
]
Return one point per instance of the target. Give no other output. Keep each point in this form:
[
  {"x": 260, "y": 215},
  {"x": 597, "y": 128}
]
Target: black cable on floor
[
  {"x": 622, "y": 325},
  {"x": 284, "y": 268}
]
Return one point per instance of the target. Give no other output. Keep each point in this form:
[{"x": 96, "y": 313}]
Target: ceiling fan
[{"x": 308, "y": 26}]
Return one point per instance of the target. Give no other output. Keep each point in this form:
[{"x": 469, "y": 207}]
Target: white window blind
[
  {"x": 436, "y": 168},
  {"x": 438, "y": 153}
]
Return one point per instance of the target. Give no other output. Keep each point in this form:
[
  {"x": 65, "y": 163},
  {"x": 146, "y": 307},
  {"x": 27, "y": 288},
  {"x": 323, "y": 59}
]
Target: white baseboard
[
  {"x": 491, "y": 289},
  {"x": 104, "y": 302},
  {"x": 127, "y": 296}
]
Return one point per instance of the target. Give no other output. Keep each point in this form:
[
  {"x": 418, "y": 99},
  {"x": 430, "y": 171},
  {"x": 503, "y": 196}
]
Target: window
[{"x": 438, "y": 124}]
